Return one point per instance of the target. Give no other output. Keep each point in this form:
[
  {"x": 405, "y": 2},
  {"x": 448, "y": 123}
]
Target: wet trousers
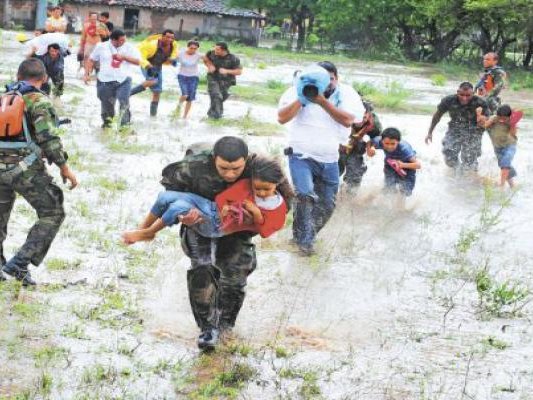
[
  {"x": 217, "y": 278},
  {"x": 58, "y": 79},
  {"x": 46, "y": 198},
  {"x": 463, "y": 143},
  {"x": 218, "y": 93},
  {"x": 353, "y": 167},
  {"x": 109, "y": 93},
  {"x": 316, "y": 185}
]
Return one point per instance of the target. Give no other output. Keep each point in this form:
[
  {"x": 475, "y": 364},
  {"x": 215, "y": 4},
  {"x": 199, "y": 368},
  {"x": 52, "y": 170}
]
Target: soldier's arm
[
  {"x": 208, "y": 63},
  {"x": 42, "y": 120},
  {"x": 434, "y": 121}
]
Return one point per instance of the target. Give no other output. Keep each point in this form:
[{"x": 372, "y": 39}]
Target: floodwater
[{"x": 389, "y": 309}]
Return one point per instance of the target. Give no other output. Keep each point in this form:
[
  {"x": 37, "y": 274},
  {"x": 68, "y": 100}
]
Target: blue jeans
[
  {"x": 394, "y": 182},
  {"x": 109, "y": 93},
  {"x": 505, "y": 157},
  {"x": 316, "y": 185},
  {"x": 188, "y": 86},
  {"x": 170, "y": 204},
  {"x": 158, "y": 87}
]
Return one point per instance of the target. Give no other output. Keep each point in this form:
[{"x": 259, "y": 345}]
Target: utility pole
[
  {"x": 7, "y": 7},
  {"x": 40, "y": 17}
]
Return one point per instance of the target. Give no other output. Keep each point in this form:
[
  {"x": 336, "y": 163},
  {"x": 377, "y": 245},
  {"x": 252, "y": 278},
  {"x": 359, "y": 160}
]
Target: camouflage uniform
[
  {"x": 218, "y": 85},
  {"x": 219, "y": 267},
  {"x": 463, "y": 135},
  {"x": 352, "y": 165},
  {"x": 55, "y": 71},
  {"x": 496, "y": 75},
  {"x": 34, "y": 184}
]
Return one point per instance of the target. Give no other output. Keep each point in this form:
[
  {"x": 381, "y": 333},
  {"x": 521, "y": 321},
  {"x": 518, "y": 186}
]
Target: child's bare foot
[{"x": 136, "y": 236}]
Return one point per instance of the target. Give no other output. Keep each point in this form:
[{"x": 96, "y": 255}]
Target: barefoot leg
[
  {"x": 145, "y": 234},
  {"x": 148, "y": 221}
]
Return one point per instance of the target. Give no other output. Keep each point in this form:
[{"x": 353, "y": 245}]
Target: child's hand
[
  {"x": 225, "y": 210},
  {"x": 249, "y": 206}
]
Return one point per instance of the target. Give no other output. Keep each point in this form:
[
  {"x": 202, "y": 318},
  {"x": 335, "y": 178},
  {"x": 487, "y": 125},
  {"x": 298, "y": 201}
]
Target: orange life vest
[{"x": 12, "y": 108}]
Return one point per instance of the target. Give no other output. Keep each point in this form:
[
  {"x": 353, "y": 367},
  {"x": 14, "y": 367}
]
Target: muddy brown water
[{"x": 383, "y": 312}]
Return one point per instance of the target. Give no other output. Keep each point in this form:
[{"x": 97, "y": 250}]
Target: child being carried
[{"x": 263, "y": 196}]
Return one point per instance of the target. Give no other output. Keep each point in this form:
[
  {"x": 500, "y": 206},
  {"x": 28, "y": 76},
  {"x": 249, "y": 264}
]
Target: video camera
[{"x": 311, "y": 82}]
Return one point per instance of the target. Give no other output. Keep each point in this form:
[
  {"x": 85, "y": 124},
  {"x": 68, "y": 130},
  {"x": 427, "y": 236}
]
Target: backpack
[
  {"x": 14, "y": 131},
  {"x": 12, "y": 117}
]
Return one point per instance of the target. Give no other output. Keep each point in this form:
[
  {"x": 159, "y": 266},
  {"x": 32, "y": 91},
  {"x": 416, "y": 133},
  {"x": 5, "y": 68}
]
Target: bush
[
  {"x": 438, "y": 80},
  {"x": 272, "y": 30}
]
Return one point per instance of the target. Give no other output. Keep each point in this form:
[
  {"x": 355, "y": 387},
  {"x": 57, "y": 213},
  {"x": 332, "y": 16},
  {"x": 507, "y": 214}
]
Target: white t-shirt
[
  {"x": 41, "y": 42},
  {"x": 188, "y": 63},
  {"x": 313, "y": 132},
  {"x": 103, "y": 52}
]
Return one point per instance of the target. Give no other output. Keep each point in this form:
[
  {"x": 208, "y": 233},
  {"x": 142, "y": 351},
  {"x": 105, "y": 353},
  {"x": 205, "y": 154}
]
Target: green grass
[
  {"x": 74, "y": 331},
  {"x": 111, "y": 185},
  {"x": 393, "y": 97},
  {"x": 438, "y": 80},
  {"x": 500, "y": 298},
  {"x": 98, "y": 373},
  {"x": 123, "y": 147},
  {"x": 492, "y": 342},
  {"x": 47, "y": 355},
  {"x": 268, "y": 93},
  {"x": 226, "y": 384},
  {"x": 248, "y": 125},
  {"x": 61, "y": 264},
  {"x": 28, "y": 311}
]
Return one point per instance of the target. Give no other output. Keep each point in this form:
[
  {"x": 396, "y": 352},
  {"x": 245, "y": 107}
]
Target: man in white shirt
[
  {"x": 316, "y": 129},
  {"x": 114, "y": 82}
]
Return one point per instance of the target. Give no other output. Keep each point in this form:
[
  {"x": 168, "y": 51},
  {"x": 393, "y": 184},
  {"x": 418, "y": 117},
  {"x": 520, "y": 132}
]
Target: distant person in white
[
  {"x": 315, "y": 132},
  {"x": 114, "y": 81},
  {"x": 38, "y": 46},
  {"x": 188, "y": 75}
]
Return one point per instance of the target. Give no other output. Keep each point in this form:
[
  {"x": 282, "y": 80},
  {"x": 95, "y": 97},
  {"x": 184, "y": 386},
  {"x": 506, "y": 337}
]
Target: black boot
[
  {"x": 153, "y": 108},
  {"x": 208, "y": 339},
  {"x": 19, "y": 270},
  {"x": 137, "y": 89}
]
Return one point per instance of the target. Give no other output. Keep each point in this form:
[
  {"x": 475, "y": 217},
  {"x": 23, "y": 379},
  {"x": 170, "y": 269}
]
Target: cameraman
[{"x": 315, "y": 132}]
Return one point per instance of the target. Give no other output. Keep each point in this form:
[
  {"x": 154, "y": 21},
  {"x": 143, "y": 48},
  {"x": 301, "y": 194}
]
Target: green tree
[{"x": 300, "y": 12}]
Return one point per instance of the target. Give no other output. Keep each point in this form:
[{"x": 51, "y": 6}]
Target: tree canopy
[{"x": 426, "y": 30}]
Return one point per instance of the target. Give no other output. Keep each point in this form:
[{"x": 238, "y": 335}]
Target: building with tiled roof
[{"x": 187, "y": 18}]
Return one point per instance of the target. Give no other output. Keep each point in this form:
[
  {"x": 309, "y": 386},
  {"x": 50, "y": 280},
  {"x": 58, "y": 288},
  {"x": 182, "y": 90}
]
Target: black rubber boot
[
  {"x": 19, "y": 270},
  {"x": 153, "y": 108},
  {"x": 208, "y": 339},
  {"x": 137, "y": 89}
]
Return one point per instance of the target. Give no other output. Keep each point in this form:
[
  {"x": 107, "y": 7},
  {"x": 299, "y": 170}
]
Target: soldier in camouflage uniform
[
  {"x": 33, "y": 182},
  {"x": 351, "y": 157},
  {"x": 222, "y": 67},
  {"x": 492, "y": 81},
  {"x": 219, "y": 267},
  {"x": 464, "y": 134}
]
